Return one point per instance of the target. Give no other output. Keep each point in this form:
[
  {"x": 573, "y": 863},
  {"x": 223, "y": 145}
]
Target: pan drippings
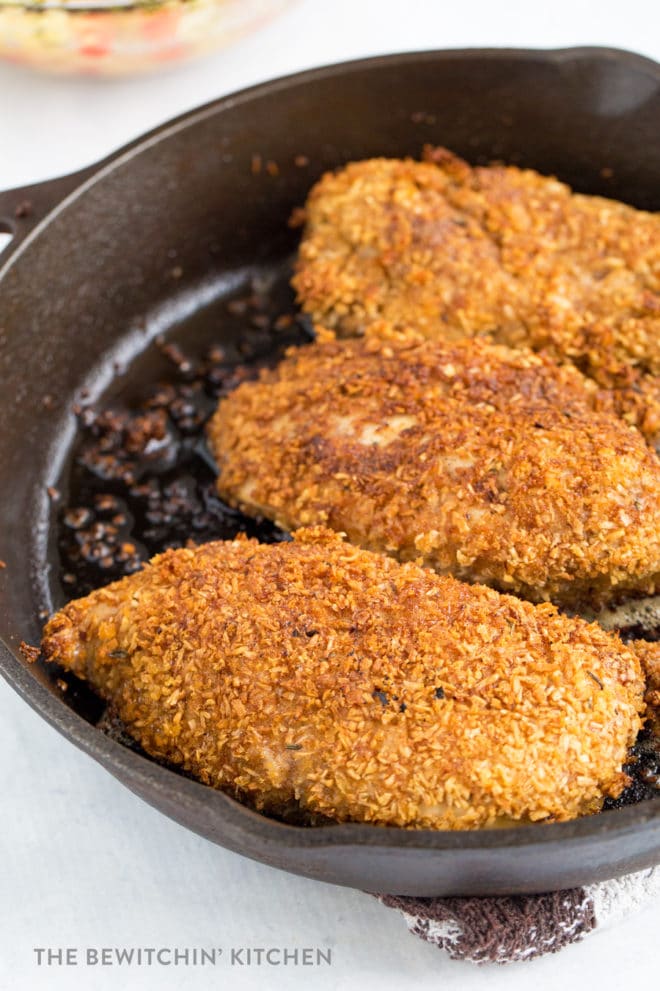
[{"x": 143, "y": 478}]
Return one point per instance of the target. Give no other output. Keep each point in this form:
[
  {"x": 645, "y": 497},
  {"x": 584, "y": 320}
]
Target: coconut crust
[
  {"x": 483, "y": 462},
  {"x": 649, "y": 655},
  {"x": 359, "y": 688},
  {"x": 457, "y": 251}
]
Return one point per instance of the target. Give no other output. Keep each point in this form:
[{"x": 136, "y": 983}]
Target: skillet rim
[{"x": 140, "y": 773}]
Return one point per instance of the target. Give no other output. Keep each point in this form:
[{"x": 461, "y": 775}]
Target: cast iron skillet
[{"x": 94, "y": 258}]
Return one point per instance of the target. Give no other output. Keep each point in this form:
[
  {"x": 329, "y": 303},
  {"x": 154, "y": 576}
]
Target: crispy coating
[
  {"x": 484, "y": 462},
  {"x": 454, "y": 251},
  {"x": 358, "y": 687},
  {"x": 649, "y": 656}
]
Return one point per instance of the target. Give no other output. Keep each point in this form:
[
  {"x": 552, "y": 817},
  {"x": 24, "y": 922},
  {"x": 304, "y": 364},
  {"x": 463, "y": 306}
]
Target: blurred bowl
[{"x": 123, "y": 37}]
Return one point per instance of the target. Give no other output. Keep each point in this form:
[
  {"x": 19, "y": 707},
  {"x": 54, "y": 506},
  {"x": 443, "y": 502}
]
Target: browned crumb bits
[
  {"x": 298, "y": 217},
  {"x": 30, "y": 653}
]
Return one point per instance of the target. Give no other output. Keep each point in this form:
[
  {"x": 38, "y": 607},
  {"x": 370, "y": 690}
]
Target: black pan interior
[{"x": 161, "y": 241}]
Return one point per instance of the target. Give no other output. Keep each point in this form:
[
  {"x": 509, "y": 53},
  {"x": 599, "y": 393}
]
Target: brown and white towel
[{"x": 521, "y": 927}]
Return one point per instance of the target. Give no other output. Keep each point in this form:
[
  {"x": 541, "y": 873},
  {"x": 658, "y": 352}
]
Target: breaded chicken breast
[
  {"x": 453, "y": 251},
  {"x": 483, "y": 462},
  {"x": 360, "y": 688},
  {"x": 649, "y": 656}
]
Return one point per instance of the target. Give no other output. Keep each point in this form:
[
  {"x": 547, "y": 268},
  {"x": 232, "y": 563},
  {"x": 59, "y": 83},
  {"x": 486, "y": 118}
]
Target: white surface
[{"x": 83, "y": 862}]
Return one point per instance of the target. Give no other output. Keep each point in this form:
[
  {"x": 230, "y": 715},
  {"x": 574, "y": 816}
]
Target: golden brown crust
[
  {"x": 487, "y": 463},
  {"x": 455, "y": 251},
  {"x": 364, "y": 689},
  {"x": 649, "y": 656}
]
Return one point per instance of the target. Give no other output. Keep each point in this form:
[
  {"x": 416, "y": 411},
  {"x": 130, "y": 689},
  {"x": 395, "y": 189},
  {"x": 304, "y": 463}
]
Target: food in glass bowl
[{"x": 116, "y": 37}]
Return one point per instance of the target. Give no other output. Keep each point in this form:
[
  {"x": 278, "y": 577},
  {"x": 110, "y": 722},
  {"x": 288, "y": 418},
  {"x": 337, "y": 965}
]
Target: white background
[{"x": 83, "y": 862}]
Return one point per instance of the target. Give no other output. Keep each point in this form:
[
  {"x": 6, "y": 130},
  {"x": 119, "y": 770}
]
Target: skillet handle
[{"x": 22, "y": 209}]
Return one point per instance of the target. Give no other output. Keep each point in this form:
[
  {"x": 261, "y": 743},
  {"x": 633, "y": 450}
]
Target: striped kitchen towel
[{"x": 522, "y": 927}]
